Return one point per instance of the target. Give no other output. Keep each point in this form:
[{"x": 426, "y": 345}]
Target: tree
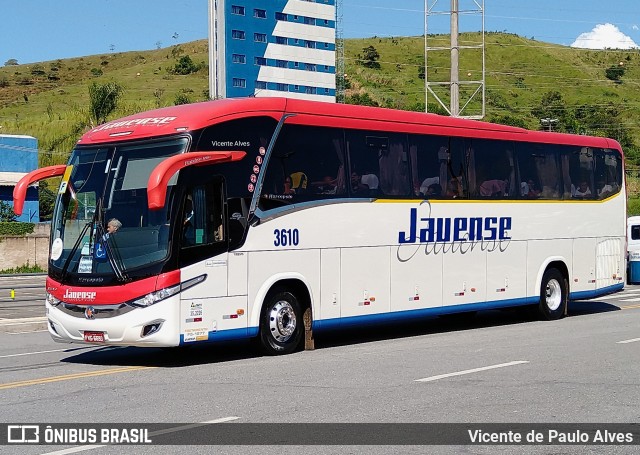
[
  {"x": 46, "y": 199},
  {"x": 369, "y": 57},
  {"x": 614, "y": 72},
  {"x": 103, "y": 100},
  {"x": 6, "y": 212},
  {"x": 185, "y": 66},
  {"x": 11, "y": 62}
]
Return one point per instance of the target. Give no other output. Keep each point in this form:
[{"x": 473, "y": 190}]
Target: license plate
[{"x": 94, "y": 337}]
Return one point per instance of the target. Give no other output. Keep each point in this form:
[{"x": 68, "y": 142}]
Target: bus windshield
[{"x": 102, "y": 224}]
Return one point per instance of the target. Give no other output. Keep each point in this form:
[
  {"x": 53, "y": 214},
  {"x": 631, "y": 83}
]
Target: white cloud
[
  {"x": 635, "y": 27},
  {"x": 604, "y": 36}
]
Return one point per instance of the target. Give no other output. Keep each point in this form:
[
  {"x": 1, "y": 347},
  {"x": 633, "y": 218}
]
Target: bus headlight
[
  {"x": 162, "y": 294},
  {"x": 51, "y": 300},
  {"x": 155, "y": 297}
]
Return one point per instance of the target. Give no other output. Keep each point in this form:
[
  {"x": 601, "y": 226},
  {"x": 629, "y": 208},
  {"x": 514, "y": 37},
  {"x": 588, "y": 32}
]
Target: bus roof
[{"x": 190, "y": 117}]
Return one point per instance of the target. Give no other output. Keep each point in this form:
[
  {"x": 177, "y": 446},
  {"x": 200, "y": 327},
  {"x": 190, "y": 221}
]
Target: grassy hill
[{"x": 50, "y": 100}]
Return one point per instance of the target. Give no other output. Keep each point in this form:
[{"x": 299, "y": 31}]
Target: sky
[{"x": 42, "y": 30}]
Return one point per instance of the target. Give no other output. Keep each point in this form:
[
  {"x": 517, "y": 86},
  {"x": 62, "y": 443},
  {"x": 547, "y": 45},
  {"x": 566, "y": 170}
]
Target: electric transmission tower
[{"x": 436, "y": 83}]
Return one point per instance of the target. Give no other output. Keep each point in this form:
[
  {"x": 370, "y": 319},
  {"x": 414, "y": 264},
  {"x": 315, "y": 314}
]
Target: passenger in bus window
[
  {"x": 604, "y": 190},
  {"x": 298, "y": 182},
  {"x": 454, "y": 188},
  {"x": 434, "y": 190},
  {"x": 112, "y": 227},
  {"x": 371, "y": 181},
  {"x": 494, "y": 188},
  {"x": 532, "y": 191},
  {"x": 358, "y": 188},
  {"x": 325, "y": 186},
  {"x": 288, "y": 186},
  {"x": 583, "y": 190},
  {"x": 426, "y": 184}
]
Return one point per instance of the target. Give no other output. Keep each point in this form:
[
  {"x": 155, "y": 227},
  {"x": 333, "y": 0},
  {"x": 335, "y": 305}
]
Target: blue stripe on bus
[
  {"x": 352, "y": 321},
  {"x": 582, "y": 295},
  {"x": 397, "y": 316}
]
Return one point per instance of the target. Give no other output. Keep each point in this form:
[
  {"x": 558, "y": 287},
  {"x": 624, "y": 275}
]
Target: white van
[
  {"x": 633, "y": 233},
  {"x": 633, "y": 250}
]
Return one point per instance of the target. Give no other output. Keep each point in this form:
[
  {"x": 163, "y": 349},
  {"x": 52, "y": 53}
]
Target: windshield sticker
[
  {"x": 85, "y": 265},
  {"x": 100, "y": 252},
  {"x": 56, "y": 249},
  {"x": 85, "y": 248},
  {"x": 65, "y": 179}
]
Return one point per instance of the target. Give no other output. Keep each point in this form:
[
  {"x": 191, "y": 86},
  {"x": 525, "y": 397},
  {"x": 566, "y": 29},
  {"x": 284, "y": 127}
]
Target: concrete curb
[{"x": 23, "y": 325}]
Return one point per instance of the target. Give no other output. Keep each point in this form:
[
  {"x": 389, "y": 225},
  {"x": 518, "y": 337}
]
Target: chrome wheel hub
[
  {"x": 282, "y": 321},
  {"x": 553, "y": 295}
]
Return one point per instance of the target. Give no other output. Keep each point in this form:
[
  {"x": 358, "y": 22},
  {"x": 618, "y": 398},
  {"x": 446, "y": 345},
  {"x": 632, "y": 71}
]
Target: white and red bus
[{"x": 240, "y": 216}]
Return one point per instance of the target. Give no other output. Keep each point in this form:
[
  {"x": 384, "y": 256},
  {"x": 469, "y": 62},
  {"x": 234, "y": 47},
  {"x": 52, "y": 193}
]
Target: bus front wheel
[
  {"x": 281, "y": 324},
  {"x": 553, "y": 295}
]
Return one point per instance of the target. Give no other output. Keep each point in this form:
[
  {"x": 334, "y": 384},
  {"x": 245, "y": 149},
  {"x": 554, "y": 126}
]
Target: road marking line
[
  {"x": 629, "y": 307},
  {"x": 40, "y": 352},
  {"x": 66, "y": 377},
  {"x": 635, "y": 299},
  {"x": 28, "y": 331},
  {"x": 474, "y": 370},
  {"x": 154, "y": 433},
  {"x": 633, "y": 340}
]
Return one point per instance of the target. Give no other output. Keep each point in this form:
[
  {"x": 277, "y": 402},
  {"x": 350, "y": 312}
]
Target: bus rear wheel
[
  {"x": 281, "y": 324},
  {"x": 553, "y": 295}
]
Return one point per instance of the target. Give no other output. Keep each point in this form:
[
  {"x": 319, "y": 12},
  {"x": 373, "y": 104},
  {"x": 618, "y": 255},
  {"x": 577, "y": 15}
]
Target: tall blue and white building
[{"x": 273, "y": 48}]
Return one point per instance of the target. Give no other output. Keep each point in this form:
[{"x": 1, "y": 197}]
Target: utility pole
[
  {"x": 435, "y": 88},
  {"x": 213, "y": 44},
  {"x": 455, "y": 54}
]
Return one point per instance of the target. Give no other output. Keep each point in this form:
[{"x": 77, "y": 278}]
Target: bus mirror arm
[
  {"x": 162, "y": 173},
  {"x": 20, "y": 191}
]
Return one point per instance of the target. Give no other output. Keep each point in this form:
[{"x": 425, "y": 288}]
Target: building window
[
  {"x": 326, "y": 67},
  {"x": 261, "y": 85},
  {"x": 282, "y": 87},
  {"x": 282, "y": 64},
  {"x": 326, "y": 90},
  {"x": 310, "y": 90},
  {"x": 237, "y": 34},
  {"x": 310, "y": 67},
  {"x": 297, "y": 87},
  {"x": 309, "y": 21},
  {"x": 260, "y": 61},
  {"x": 310, "y": 44},
  {"x": 260, "y": 13},
  {"x": 281, "y": 17},
  {"x": 241, "y": 83},
  {"x": 237, "y": 10},
  {"x": 239, "y": 58},
  {"x": 296, "y": 64},
  {"x": 260, "y": 37},
  {"x": 281, "y": 40}
]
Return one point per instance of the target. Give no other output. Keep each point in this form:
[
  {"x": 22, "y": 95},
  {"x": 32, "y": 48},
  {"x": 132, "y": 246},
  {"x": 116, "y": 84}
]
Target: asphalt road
[{"x": 498, "y": 367}]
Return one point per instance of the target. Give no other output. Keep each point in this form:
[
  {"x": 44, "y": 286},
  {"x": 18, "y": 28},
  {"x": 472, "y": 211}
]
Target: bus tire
[
  {"x": 281, "y": 324},
  {"x": 553, "y": 295}
]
